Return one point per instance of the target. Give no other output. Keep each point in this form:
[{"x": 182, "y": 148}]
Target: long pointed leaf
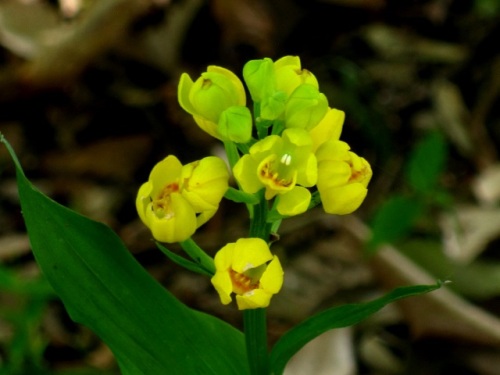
[
  {"x": 337, "y": 317},
  {"x": 104, "y": 287},
  {"x": 183, "y": 262}
]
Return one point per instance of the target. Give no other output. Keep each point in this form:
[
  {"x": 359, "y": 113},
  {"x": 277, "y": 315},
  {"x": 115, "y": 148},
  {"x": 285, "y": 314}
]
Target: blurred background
[{"x": 88, "y": 101}]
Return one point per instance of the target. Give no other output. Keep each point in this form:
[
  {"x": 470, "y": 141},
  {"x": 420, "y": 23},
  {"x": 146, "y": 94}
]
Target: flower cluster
[
  {"x": 178, "y": 199},
  {"x": 282, "y": 155}
]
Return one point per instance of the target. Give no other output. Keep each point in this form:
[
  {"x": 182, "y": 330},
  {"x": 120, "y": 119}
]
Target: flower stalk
[
  {"x": 286, "y": 157},
  {"x": 254, "y": 321},
  {"x": 196, "y": 253}
]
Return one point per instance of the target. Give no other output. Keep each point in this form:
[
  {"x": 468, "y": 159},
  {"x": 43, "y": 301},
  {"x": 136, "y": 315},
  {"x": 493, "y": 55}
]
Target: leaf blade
[
  {"x": 105, "y": 288},
  {"x": 336, "y": 317}
]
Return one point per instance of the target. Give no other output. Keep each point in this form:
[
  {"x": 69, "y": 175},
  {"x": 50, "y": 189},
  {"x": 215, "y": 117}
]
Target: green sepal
[
  {"x": 235, "y": 124},
  {"x": 183, "y": 262},
  {"x": 197, "y": 254},
  {"x": 272, "y": 106},
  {"x": 240, "y": 196},
  {"x": 259, "y": 75}
]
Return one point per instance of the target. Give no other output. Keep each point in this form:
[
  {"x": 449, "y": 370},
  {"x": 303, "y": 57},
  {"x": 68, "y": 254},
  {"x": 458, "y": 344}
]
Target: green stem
[
  {"x": 198, "y": 255},
  {"x": 232, "y": 153},
  {"x": 254, "y": 321},
  {"x": 258, "y": 226},
  {"x": 240, "y": 196}
]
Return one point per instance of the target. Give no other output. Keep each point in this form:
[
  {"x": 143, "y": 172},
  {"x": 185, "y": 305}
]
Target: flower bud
[
  {"x": 290, "y": 75},
  {"x": 235, "y": 124},
  {"x": 260, "y": 78},
  {"x": 211, "y": 94}
]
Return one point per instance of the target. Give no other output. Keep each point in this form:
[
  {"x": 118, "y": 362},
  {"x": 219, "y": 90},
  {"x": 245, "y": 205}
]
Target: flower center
[
  {"x": 161, "y": 205},
  {"x": 242, "y": 283},
  {"x": 358, "y": 175},
  {"x": 278, "y": 175}
]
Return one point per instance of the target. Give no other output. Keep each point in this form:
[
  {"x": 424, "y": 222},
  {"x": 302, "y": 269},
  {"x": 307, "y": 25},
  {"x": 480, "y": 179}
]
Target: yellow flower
[
  {"x": 284, "y": 165},
  {"x": 210, "y": 96},
  {"x": 343, "y": 177},
  {"x": 177, "y": 199},
  {"x": 249, "y": 270}
]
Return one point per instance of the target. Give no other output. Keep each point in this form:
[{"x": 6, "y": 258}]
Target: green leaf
[
  {"x": 102, "y": 286},
  {"x": 394, "y": 220},
  {"x": 197, "y": 254},
  {"x": 336, "y": 317},
  {"x": 183, "y": 262},
  {"x": 427, "y": 162}
]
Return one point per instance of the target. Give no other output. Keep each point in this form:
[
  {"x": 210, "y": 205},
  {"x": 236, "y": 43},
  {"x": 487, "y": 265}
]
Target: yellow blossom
[
  {"x": 177, "y": 199},
  {"x": 284, "y": 165},
  {"x": 249, "y": 270},
  {"x": 343, "y": 177}
]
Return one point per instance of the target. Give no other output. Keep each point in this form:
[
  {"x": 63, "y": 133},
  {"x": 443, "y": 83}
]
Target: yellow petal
[
  {"x": 207, "y": 126},
  {"x": 361, "y": 170},
  {"x": 329, "y": 128},
  {"x": 223, "y": 285},
  {"x": 333, "y": 150},
  {"x": 307, "y": 173},
  {"x": 294, "y": 202},
  {"x": 342, "y": 200},
  {"x": 250, "y": 253},
  {"x": 297, "y": 136},
  {"x": 183, "y": 90},
  {"x": 254, "y": 299},
  {"x": 164, "y": 173},
  {"x": 143, "y": 200},
  {"x": 245, "y": 172},
  {"x": 265, "y": 146},
  {"x": 205, "y": 183},
  {"x": 224, "y": 257},
  {"x": 292, "y": 61},
  {"x": 333, "y": 174},
  {"x": 272, "y": 278},
  {"x": 289, "y": 74},
  {"x": 176, "y": 226}
]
